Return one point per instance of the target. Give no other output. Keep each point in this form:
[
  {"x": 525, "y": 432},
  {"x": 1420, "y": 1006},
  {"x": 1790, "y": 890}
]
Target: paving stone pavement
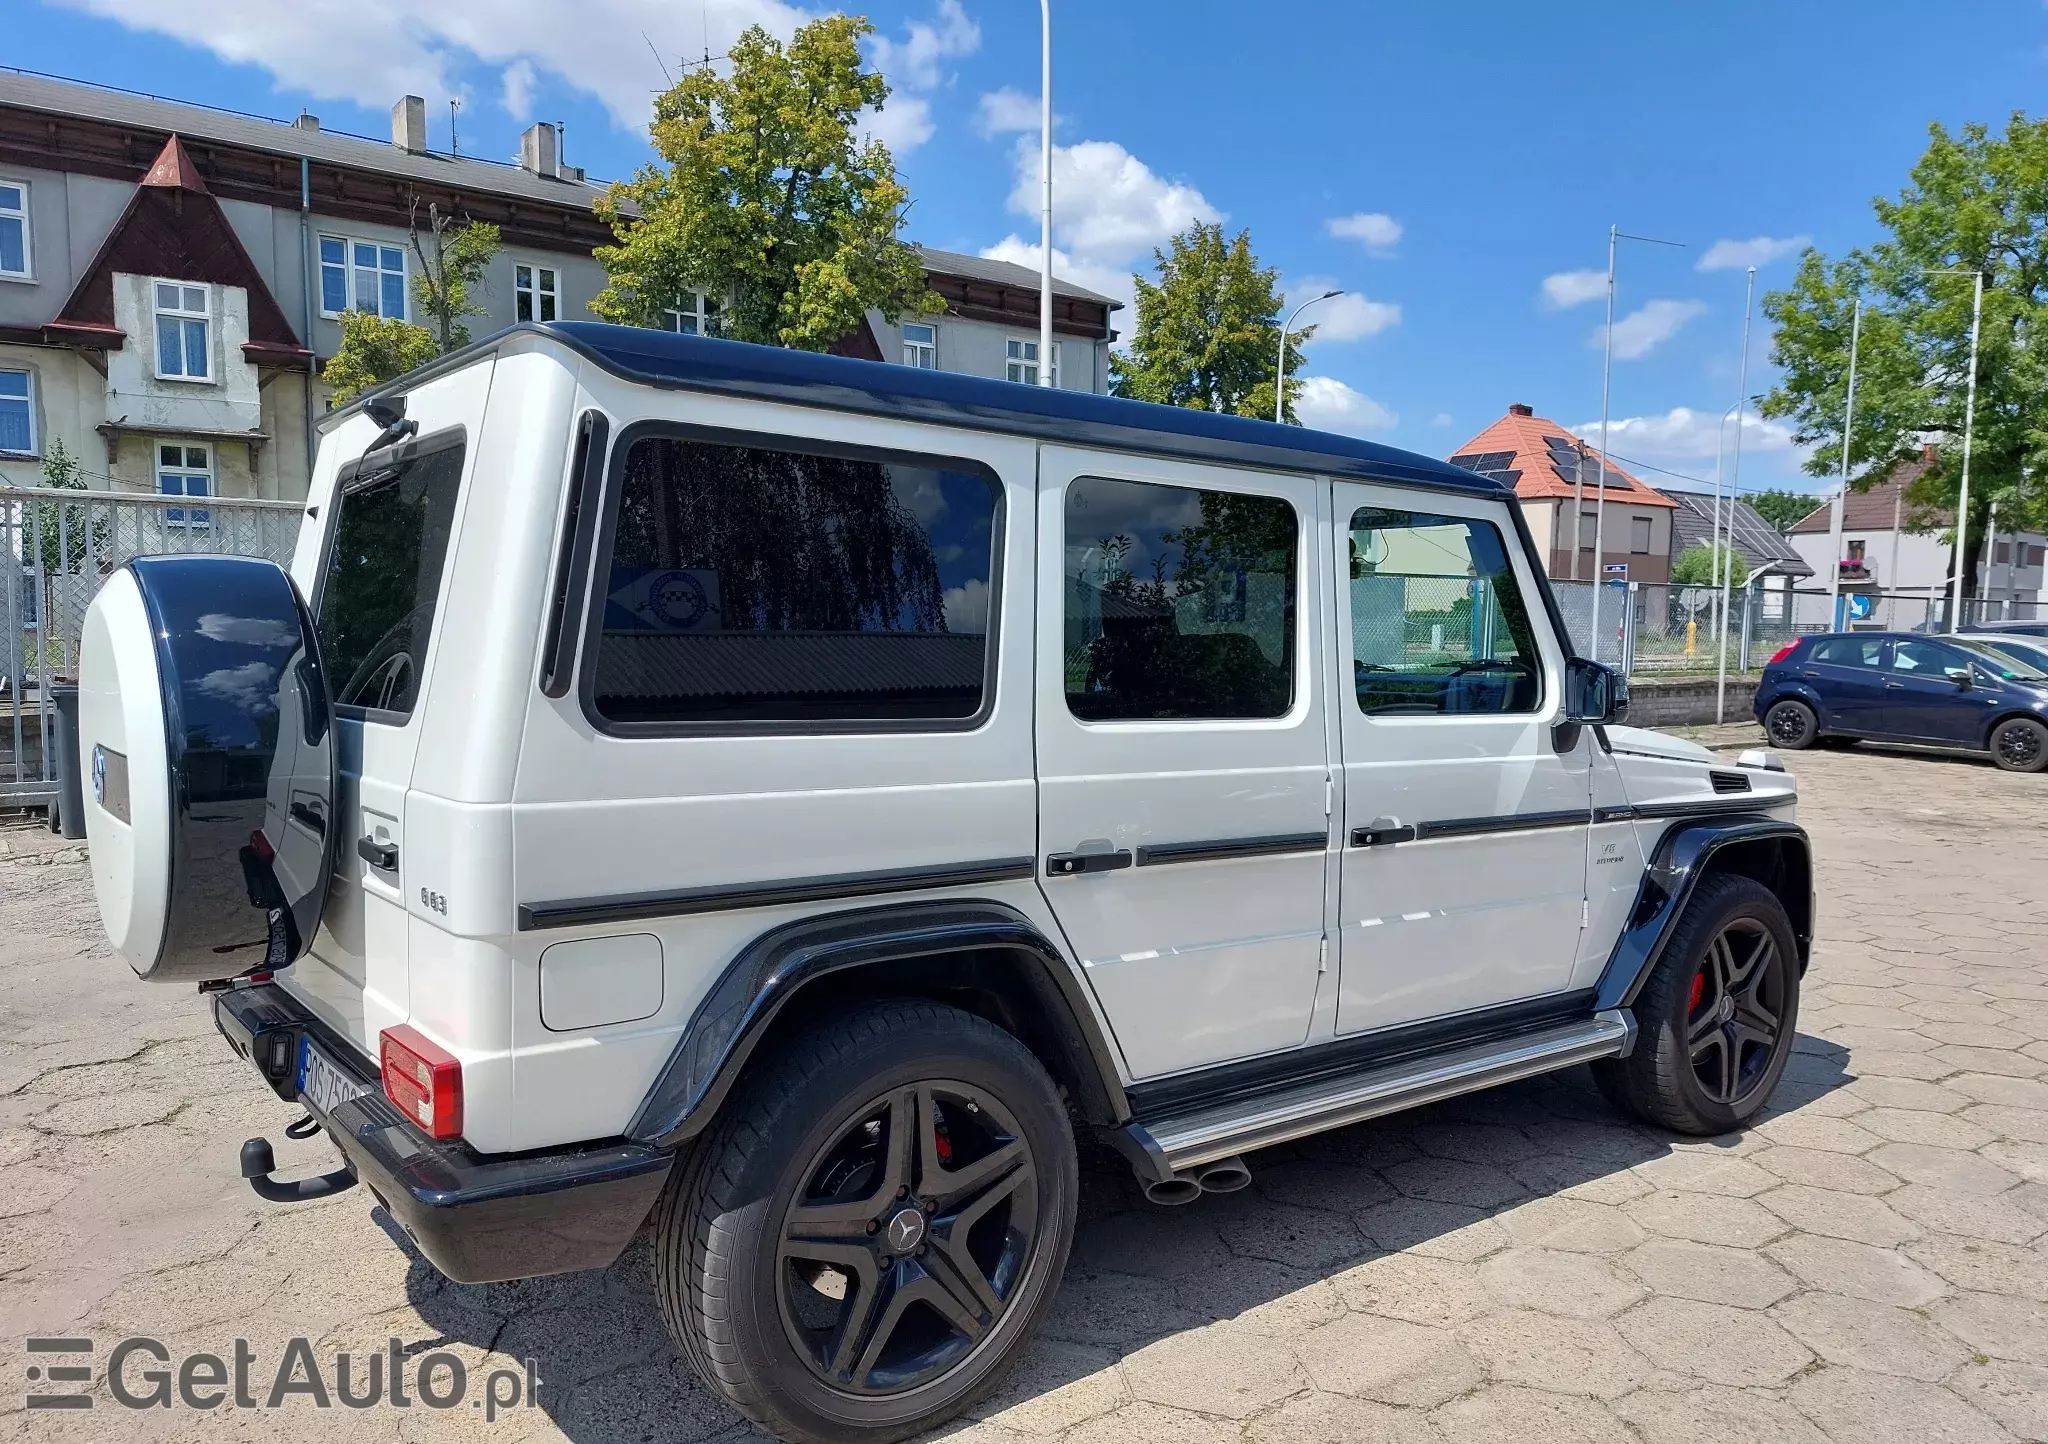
[{"x": 1869, "y": 1263}]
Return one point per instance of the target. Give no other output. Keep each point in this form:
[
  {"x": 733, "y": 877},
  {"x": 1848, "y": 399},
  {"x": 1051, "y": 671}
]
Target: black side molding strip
[
  {"x": 578, "y": 912},
  {"x": 1701, "y": 806},
  {"x": 1158, "y": 854},
  {"x": 1575, "y": 817}
]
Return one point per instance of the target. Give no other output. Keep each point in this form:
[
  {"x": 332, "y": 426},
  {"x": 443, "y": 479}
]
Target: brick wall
[{"x": 1687, "y": 703}]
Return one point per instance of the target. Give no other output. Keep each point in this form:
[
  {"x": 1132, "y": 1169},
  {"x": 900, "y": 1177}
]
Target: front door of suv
[
  {"x": 1463, "y": 881},
  {"x": 1182, "y": 761}
]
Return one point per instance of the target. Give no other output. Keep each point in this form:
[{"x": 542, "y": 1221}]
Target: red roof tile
[
  {"x": 1875, "y": 509},
  {"x": 1527, "y": 437}
]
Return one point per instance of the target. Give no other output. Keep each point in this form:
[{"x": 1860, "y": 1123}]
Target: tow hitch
[{"x": 258, "y": 1163}]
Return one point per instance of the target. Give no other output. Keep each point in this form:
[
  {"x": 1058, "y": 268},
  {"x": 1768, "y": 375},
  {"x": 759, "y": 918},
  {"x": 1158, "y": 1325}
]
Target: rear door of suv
[{"x": 1182, "y": 757}]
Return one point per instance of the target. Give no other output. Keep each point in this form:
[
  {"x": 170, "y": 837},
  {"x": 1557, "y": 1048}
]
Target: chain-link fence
[
  {"x": 56, "y": 547},
  {"x": 1676, "y": 629}
]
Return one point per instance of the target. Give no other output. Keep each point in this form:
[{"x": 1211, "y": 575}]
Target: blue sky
[{"x": 1450, "y": 166}]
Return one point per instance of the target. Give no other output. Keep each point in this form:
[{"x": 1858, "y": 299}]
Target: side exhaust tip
[
  {"x": 1226, "y": 1175},
  {"x": 1174, "y": 1191}
]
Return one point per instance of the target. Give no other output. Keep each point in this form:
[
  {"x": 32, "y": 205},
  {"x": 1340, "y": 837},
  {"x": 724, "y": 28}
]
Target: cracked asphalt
[{"x": 1869, "y": 1263}]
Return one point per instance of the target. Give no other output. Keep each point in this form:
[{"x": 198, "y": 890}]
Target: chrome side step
[{"x": 1222, "y": 1130}]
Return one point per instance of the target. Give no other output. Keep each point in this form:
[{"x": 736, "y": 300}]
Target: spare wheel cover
[{"x": 207, "y": 740}]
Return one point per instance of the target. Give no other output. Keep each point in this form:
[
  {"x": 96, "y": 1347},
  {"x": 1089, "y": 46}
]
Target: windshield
[{"x": 2011, "y": 662}]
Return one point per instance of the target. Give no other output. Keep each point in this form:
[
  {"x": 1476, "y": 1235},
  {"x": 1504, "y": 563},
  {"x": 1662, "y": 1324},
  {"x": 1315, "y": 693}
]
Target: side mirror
[
  {"x": 1960, "y": 676},
  {"x": 1594, "y": 692}
]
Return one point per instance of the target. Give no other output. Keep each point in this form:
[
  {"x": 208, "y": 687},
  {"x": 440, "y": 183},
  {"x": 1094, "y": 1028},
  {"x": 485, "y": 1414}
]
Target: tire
[
  {"x": 2020, "y": 744},
  {"x": 899, "y": 1337},
  {"x": 1701, "y": 1064},
  {"x": 1791, "y": 724}
]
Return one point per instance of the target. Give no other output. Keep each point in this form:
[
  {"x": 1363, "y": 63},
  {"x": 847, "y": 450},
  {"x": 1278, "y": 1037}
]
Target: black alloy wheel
[
  {"x": 1791, "y": 724},
  {"x": 1716, "y": 1017},
  {"x": 1733, "y": 1008},
  {"x": 868, "y": 1234},
  {"x": 908, "y": 1239},
  {"x": 2020, "y": 745}
]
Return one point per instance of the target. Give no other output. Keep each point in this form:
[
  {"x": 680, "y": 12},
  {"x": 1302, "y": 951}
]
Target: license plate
[{"x": 324, "y": 1083}]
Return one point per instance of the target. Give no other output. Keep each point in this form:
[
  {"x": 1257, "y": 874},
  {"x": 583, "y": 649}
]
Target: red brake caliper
[{"x": 1699, "y": 986}]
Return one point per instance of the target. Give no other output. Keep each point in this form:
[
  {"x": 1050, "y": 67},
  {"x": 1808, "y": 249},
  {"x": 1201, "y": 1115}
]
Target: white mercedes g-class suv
[{"x": 782, "y": 800}]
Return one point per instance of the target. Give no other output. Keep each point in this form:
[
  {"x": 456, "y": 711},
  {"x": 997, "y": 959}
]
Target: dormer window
[{"x": 183, "y": 344}]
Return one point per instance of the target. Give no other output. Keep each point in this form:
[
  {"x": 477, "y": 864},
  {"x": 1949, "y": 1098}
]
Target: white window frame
[
  {"x": 35, "y": 447},
  {"x": 183, "y": 315},
  {"x": 351, "y": 293},
  {"x": 701, "y": 313},
  {"x": 186, "y": 518},
  {"x": 28, "y": 259},
  {"x": 921, "y": 352},
  {"x": 1015, "y": 361},
  {"x": 527, "y": 287}
]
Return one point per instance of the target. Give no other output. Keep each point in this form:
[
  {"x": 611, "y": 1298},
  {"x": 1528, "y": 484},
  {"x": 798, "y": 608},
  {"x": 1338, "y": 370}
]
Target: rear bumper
[{"x": 478, "y": 1218}]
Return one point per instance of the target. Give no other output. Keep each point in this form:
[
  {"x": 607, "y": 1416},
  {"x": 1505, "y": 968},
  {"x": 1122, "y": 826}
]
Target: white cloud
[
  {"x": 1573, "y": 288},
  {"x": 1734, "y": 255},
  {"x": 903, "y": 123},
  {"x": 1376, "y": 232},
  {"x": 373, "y": 51},
  {"x": 1108, "y": 206},
  {"x": 1009, "y": 109},
  {"x": 1643, "y": 330},
  {"x": 914, "y": 63},
  {"x": 517, "y": 97},
  {"x": 1108, "y": 280},
  {"x": 1327, "y": 404},
  {"x": 246, "y": 631},
  {"x": 1442, "y": 418},
  {"x": 248, "y": 686},
  {"x": 1683, "y": 434},
  {"x": 1349, "y": 317}
]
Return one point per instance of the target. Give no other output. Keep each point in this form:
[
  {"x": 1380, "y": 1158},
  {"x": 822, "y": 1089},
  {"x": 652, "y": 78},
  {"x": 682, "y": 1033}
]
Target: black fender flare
[
  {"x": 767, "y": 974},
  {"x": 1684, "y": 855}
]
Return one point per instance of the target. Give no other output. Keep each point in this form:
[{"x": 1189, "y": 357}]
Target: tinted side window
[
  {"x": 749, "y": 584},
  {"x": 1849, "y": 652},
  {"x": 1179, "y": 602},
  {"x": 1438, "y": 623},
  {"x": 1927, "y": 659},
  {"x": 383, "y": 578}
]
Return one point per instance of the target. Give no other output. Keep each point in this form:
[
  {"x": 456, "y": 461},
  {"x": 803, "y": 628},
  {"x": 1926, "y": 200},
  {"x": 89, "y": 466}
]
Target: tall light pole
[
  {"x": 1955, "y": 604},
  {"x": 1614, "y": 234},
  {"x": 1280, "y": 367},
  {"x": 1842, "y": 493},
  {"x": 1720, "y": 460},
  {"x": 1734, "y": 491},
  {"x": 1045, "y": 207}
]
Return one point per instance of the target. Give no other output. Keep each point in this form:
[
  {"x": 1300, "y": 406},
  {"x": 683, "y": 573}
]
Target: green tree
[
  {"x": 453, "y": 257},
  {"x": 1782, "y": 508},
  {"x": 1974, "y": 201},
  {"x": 766, "y": 200},
  {"x": 1208, "y": 330},
  {"x": 374, "y": 350},
  {"x": 1696, "y": 565}
]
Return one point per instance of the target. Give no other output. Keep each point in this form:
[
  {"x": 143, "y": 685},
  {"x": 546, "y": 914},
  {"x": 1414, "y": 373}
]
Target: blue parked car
[{"x": 1903, "y": 687}]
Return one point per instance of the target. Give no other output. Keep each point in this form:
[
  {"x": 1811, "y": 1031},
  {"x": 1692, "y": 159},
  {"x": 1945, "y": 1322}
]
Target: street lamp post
[
  {"x": 1280, "y": 367},
  {"x": 1734, "y": 491},
  {"x": 1719, "y": 541},
  {"x": 1045, "y": 377},
  {"x": 1614, "y": 235},
  {"x": 1842, "y": 493}
]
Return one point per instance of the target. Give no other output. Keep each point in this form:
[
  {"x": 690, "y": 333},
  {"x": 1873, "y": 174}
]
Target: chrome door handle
[{"x": 1069, "y": 864}]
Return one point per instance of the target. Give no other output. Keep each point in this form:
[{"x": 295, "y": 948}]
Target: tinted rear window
[
  {"x": 383, "y": 577},
  {"x": 748, "y": 584}
]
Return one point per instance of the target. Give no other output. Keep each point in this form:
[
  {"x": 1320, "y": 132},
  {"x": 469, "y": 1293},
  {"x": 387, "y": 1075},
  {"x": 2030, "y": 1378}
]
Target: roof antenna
[
  {"x": 658, "y": 60},
  {"x": 454, "y": 143},
  {"x": 561, "y": 145}
]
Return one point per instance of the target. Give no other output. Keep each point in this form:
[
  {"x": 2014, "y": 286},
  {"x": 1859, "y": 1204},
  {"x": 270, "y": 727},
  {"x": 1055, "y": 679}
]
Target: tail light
[
  {"x": 1782, "y": 653},
  {"x": 423, "y": 1080}
]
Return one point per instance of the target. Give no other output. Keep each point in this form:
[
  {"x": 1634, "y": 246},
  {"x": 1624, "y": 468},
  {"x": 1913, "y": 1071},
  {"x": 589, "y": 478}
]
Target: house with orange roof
[{"x": 1552, "y": 471}]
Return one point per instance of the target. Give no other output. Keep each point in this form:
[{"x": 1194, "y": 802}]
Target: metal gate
[{"x": 56, "y": 547}]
